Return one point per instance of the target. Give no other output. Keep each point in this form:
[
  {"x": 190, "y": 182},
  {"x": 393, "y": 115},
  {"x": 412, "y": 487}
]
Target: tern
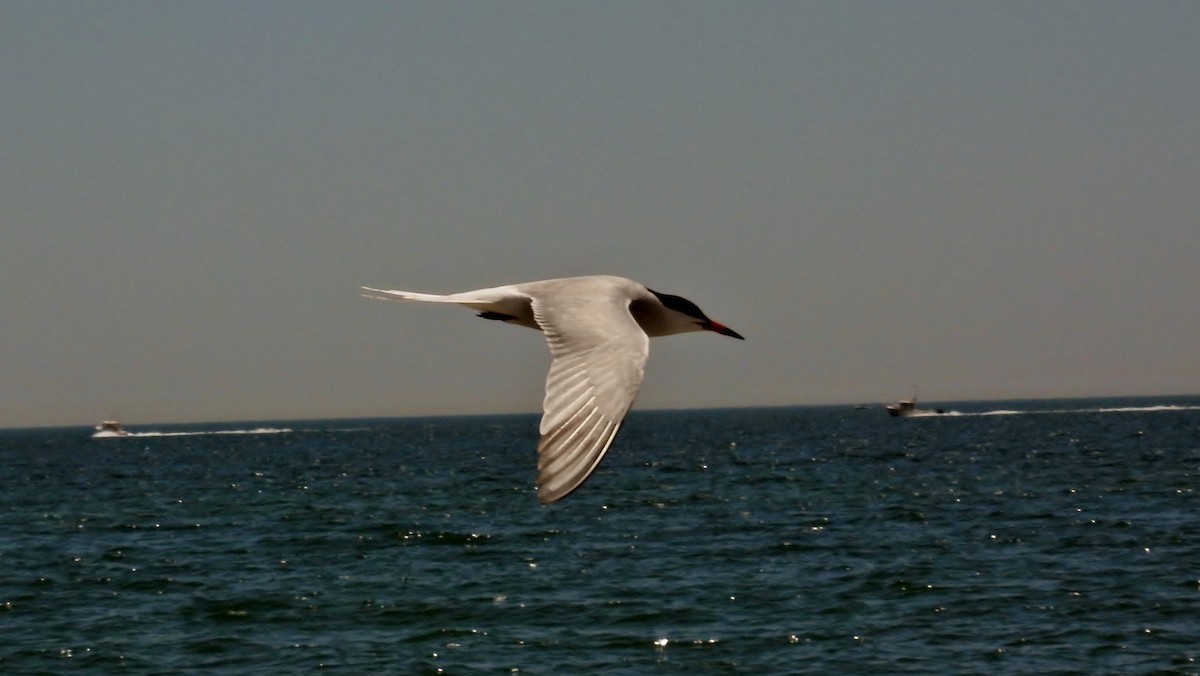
[{"x": 598, "y": 329}]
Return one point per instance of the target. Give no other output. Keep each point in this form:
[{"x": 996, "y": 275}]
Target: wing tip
[
  {"x": 561, "y": 481},
  {"x": 547, "y": 496}
]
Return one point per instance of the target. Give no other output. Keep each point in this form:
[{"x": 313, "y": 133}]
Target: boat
[
  {"x": 908, "y": 407},
  {"x": 109, "y": 429}
]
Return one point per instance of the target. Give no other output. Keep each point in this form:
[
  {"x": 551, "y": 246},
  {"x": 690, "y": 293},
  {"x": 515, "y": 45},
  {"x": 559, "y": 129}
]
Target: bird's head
[{"x": 680, "y": 315}]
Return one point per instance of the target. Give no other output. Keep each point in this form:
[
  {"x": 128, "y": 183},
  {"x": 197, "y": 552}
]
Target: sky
[{"x": 967, "y": 200}]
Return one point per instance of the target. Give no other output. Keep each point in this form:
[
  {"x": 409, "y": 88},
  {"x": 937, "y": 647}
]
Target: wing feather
[{"x": 598, "y": 358}]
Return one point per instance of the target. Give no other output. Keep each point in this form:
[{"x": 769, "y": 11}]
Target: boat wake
[
  {"x": 198, "y": 433},
  {"x": 1047, "y": 411}
]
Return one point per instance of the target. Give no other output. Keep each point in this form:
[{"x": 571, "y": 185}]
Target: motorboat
[
  {"x": 109, "y": 429},
  {"x": 908, "y": 407}
]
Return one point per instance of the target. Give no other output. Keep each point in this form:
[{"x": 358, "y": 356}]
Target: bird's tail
[
  {"x": 394, "y": 294},
  {"x": 470, "y": 298}
]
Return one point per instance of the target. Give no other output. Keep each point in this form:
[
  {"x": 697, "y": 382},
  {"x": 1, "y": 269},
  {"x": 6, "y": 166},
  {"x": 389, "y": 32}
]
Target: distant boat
[
  {"x": 109, "y": 429},
  {"x": 908, "y": 407}
]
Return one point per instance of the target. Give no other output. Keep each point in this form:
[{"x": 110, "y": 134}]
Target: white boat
[
  {"x": 109, "y": 429},
  {"x": 908, "y": 407}
]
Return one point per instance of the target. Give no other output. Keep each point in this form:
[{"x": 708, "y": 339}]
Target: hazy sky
[{"x": 982, "y": 199}]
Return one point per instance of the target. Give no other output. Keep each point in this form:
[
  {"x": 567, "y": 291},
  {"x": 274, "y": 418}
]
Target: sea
[{"x": 1017, "y": 537}]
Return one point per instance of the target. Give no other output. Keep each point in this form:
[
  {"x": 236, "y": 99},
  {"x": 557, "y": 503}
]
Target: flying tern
[{"x": 598, "y": 329}]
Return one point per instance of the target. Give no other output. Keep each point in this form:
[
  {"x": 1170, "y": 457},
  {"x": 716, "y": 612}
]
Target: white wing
[{"x": 599, "y": 355}]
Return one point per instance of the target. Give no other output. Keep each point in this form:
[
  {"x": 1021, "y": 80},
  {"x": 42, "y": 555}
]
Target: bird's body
[{"x": 598, "y": 329}]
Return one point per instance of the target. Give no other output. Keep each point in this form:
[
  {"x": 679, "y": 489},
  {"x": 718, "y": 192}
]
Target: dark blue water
[{"x": 1060, "y": 537}]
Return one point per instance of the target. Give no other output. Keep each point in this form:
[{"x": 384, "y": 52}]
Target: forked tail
[{"x": 394, "y": 294}]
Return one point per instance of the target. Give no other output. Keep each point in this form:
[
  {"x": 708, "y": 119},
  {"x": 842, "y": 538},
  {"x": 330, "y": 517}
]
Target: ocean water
[{"x": 1049, "y": 537}]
